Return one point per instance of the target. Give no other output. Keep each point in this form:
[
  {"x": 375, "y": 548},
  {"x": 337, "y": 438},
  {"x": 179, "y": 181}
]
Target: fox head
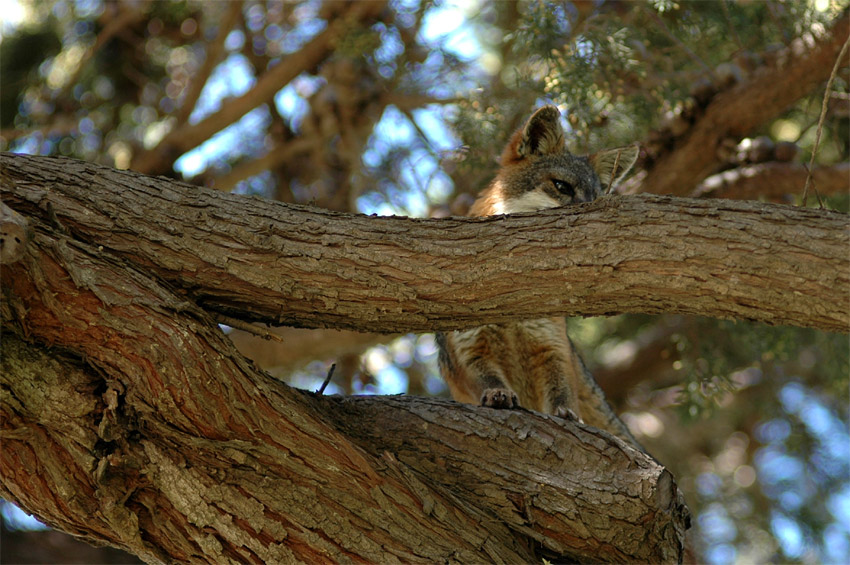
[{"x": 539, "y": 172}]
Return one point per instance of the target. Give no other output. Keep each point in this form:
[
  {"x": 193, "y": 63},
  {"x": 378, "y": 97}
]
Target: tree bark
[
  {"x": 738, "y": 111},
  {"x": 290, "y": 265},
  {"x": 129, "y": 418},
  {"x": 776, "y": 182}
]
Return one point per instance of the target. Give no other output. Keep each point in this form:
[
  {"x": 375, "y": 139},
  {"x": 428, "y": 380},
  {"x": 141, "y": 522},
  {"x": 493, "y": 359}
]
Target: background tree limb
[
  {"x": 776, "y": 182},
  {"x": 737, "y": 111},
  {"x": 160, "y": 158}
]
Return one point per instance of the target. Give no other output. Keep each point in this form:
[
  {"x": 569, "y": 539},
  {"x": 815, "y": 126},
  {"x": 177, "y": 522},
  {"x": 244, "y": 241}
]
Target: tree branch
[
  {"x": 180, "y": 140},
  {"x": 127, "y": 15},
  {"x": 278, "y": 155},
  {"x": 740, "y": 110},
  {"x": 152, "y": 434},
  {"x": 291, "y": 265},
  {"x": 213, "y": 51},
  {"x": 774, "y": 181}
]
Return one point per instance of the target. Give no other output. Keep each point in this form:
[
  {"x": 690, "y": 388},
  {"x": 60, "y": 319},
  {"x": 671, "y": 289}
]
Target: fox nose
[{"x": 583, "y": 196}]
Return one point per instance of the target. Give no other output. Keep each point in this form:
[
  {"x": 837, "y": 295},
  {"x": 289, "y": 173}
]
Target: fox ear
[
  {"x": 612, "y": 164},
  {"x": 541, "y": 135}
]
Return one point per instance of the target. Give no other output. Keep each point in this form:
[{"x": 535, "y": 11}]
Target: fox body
[{"x": 533, "y": 363}]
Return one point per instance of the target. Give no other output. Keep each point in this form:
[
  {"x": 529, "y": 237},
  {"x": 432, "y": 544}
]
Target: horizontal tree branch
[
  {"x": 775, "y": 181},
  {"x": 280, "y": 264}
]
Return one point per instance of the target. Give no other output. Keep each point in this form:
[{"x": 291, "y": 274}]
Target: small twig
[
  {"x": 731, "y": 25},
  {"x": 54, "y": 219},
  {"x": 246, "y": 327},
  {"x": 613, "y": 173},
  {"x": 822, "y": 118},
  {"x": 814, "y": 187},
  {"x": 327, "y": 379}
]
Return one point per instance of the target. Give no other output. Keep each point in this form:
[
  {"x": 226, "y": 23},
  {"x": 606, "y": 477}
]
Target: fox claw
[
  {"x": 567, "y": 414},
  {"x": 499, "y": 398}
]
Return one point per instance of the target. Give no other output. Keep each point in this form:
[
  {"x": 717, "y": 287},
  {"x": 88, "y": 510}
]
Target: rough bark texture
[
  {"x": 129, "y": 418},
  {"x": 289, "y": 265},
  {"x": 143, "y": 428}
]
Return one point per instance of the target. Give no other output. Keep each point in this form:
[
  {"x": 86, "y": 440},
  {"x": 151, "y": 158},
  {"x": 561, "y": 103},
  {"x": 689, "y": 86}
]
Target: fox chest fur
[
  {"x": 533, "y": 363},
  {"x": 533, "y": 359}
]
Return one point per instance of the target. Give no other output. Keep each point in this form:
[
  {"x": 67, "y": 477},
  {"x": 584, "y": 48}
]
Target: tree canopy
[{"x": 719, "y": 328}]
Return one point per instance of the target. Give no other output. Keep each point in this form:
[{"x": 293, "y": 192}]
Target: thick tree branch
[
  {"x": 737, "y": 112},
  {"x": 292, "y": 265},
  {"x": 151, "y": 433}
]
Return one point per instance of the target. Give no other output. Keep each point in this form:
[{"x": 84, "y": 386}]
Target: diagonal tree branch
[
  {"x": 127, "y": 15},
  {"x": 214, "y": 51},
  {"x": 180, "y": 140},
  {"x": 738, "y": 111},
  {"x": 152, "y": 434},
  {"x": 291, "y": 265}
]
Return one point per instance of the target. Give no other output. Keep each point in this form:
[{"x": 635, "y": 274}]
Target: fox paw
[
  {"x": 567, "y": 414},
  {"x": 499, "y": 398}
]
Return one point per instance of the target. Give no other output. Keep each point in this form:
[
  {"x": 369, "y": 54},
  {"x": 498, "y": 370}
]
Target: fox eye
[{"x": 564, "y": 187}]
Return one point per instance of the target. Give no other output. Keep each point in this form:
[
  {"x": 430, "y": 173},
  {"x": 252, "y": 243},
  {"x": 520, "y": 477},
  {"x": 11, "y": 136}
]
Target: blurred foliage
[
  {"x": 20, "y": 57},
  {"x": 752, "y": 420},
  {"x": 407, "y": 114}
]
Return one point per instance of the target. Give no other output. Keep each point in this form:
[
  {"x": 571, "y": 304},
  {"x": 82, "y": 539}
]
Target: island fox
[{"x": 533, "y": 364}]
